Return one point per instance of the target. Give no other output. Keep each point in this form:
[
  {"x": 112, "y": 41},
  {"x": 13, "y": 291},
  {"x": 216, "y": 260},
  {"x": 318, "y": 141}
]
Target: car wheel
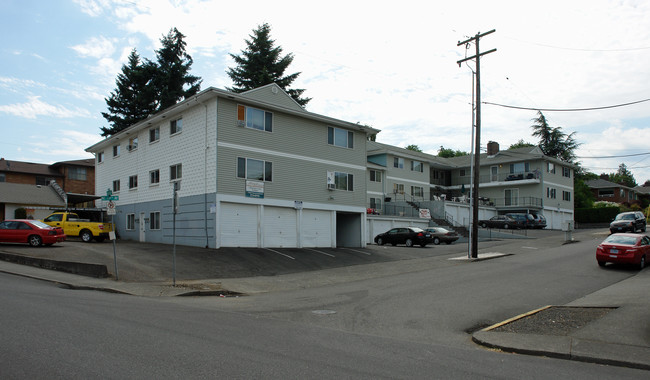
[
  {"x": 483, "y": 225},
  {"x": 409, "y": 242},
  {"x": 86, "y": 236},
  {"x": 436, "y": 241},
  {"x": 380, "y": 241},
  {"x": 601, "y": 264},
  {"x": 505, "y": 226},
  {"x": 642, "y": 263},
  {"x": 35, "y": 241}
]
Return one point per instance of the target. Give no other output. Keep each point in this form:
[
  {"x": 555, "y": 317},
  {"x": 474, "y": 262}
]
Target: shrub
[{"x": 596, "y": 214}]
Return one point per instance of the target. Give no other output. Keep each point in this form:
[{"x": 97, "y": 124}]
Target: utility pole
[{"x": 477, "y": 143}]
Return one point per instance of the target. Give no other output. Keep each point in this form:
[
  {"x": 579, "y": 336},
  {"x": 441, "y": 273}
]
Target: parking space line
[
  {"x": 354, "y": 250},
  {"x": 280, "y": 253},
  {"x": 324, "y": 253}
]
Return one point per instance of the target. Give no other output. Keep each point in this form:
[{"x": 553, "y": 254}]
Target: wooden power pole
[{"x": 477, "y": 143}]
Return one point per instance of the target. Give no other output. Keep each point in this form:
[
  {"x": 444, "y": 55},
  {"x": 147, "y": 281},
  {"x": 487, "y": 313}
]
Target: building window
[
  {"x": 375, "y": 203},
  {"x": 417, "y": 166},
  {"x": 375, "y": 176},
  {"x": 154, "y": 220},
  {"x": 550, "y": 193},
  {"x": 175, "y": 172},
  {"x": 398, "y": 163},
  {"x": 398, "y": 188},
  {"x": 133, "y": 144},
  {"x": 566, "y": 196},
  {"x": 3, "y": 177},
  {"x": 176, "y": 126},
  {"x": 511, "y": 197},
  {"x": 130, "y": 222},
  {"x": 154, "y": 177},
  {"x": 566, "y": 172},
  {"x": 154, "y": 134},
  {"x": 417, "y": 191},
  {"x": 43, "y": 181},
  {"x": 606, "y": 193},
  {"x": 133, "y": 182},
  {"x": 519, "y": 167},
  {"x": 116, "y": 185},
  {"x": 343, "y": 181},
  {"x": 254, "y": 118},
  {"x": 100, "y": 157},
  {"x": 462, "y": 172},
  {"x": 78, "y": 174},
  {"x": 116, "y": 150},
  {"x": 550, "y": 167},
  {"x": 254, "y": 169},
  {"x": 340, "y": 137}
]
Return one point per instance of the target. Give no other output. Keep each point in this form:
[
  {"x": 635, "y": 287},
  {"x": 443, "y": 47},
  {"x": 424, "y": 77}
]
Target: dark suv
[{"x": 628, "y": 221}]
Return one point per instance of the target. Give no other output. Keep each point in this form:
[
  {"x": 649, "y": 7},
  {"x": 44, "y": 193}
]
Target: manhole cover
[{"x": 323, "y": 312}]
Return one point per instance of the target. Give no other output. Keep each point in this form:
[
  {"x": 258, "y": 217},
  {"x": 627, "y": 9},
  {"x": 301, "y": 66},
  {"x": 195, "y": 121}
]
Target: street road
[{"x": 409, "y": 325}]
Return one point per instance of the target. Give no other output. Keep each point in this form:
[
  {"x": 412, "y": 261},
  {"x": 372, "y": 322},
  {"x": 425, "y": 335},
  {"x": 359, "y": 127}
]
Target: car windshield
[
  {"x": 39, "y": 224},
  {"x": 624, "y": 217},
  {"x": 621, "y": 239}
]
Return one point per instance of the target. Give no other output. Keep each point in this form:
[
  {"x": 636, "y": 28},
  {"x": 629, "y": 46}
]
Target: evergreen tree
[
  {"x": 414, "y": 148},
  {"x": 554, "y": 142},
  {"x": 520, "y": 144},
  {"x": 172, "y": 80},
  {"x": 261, "y": 64},
  {"x": 448, "y": 152},
  {"x": 623, "y": 176},
  {"x": 133, "y": 99}
]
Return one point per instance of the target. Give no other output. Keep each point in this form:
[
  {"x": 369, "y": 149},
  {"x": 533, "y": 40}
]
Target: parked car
[
  {"x": 32, "y": 232},
  {"x": 405, "y": 235},
  {"x": 628, "y": 221},
  {"x": 524, "y": 220},
  {"x": 75, "y": 226},
  {"x": 500, "y": 221},
  {"x": 624, "y": 248},
  {"x": 440, "y": 234},
  {"x": 539, "y": 221}
]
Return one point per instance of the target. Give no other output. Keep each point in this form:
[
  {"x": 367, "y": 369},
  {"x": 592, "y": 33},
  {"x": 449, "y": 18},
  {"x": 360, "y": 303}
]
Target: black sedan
[
  {"x": 405, "y": 235},
  {"x": 443, "y": 235},
  {"x": 500, "y": 221}
]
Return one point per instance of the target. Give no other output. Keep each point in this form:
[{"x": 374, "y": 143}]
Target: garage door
[
  {"x": 279, "y": 227},
  {"x": 238, "y": 224},
  {"x": 377, "y": 227},
  {"x": 316, "y": 228}
]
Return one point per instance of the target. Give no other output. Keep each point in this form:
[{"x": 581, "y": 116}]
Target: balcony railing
[{"x": 501, "y": 177}]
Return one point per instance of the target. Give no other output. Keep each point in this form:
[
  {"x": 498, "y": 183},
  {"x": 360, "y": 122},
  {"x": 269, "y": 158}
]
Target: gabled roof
[
  {"x": 642, "y": 189},
  {"x": 272, "y": 93},
  {"x": 604, "y": 184},
  {"x": 375, "y": 148},
  {"x": 29, "y": 195},
  {"x": 88, "y": 162},
  {"x": 28, "y": 168},
  {"x": 509, "y": 156}
]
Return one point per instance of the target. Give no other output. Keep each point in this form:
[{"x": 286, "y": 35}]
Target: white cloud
[
  {"x": 96, "y": 47},
  {"x": 65, "y": 144},
  {"x": 35, "y": 108}
]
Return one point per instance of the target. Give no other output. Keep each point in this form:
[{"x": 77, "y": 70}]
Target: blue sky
[{"x": 391, "y": 66}]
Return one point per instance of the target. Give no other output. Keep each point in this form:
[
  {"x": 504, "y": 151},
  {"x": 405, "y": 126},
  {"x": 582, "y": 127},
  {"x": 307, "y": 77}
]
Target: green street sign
[{"x": 111, "y": 198}]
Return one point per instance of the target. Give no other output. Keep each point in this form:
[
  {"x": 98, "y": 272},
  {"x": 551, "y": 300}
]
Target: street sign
[
  {"x": 110, "y": 209},
  {"x": 111, "y": 198}
]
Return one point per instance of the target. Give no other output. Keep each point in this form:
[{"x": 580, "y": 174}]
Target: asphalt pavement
[{"x": 610, "y": 326}]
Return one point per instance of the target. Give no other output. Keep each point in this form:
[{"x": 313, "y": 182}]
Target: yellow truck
[{"x": 74, "y": 226}]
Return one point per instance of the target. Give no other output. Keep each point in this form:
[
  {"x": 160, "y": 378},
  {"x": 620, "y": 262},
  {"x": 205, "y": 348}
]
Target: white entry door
[{"x": 143, "y": 227}]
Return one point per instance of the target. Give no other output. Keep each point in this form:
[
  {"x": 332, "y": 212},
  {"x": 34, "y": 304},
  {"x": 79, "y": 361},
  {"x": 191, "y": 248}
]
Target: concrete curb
[{"x": 83, "y": 269}]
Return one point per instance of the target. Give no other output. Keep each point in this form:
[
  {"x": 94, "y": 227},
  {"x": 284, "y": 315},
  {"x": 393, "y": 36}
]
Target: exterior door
[
  {"x": 494, "y": 173},
  {"x": 142, "y": 227}
]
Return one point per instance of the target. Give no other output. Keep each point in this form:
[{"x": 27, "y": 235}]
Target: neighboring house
[
  {"x": 604, "y": 190},
  {"x": 76, "y": 178},
  {"x": 255, "y": 170},
  {"x": 35, "y": 199},
  {"x": 517, "y": 180}
]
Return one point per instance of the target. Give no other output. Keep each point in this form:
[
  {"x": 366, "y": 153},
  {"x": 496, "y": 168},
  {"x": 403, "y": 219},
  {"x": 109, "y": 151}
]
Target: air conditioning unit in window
[
  {"x": 331, "y": 186},
  {"x": 131, "y": 147}
]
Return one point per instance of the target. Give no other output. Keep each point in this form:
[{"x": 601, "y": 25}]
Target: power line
[
  {"x": 625, "y": 155},
  {"x": 579, "y": 49},
  {"x": 567, "y": 109}
]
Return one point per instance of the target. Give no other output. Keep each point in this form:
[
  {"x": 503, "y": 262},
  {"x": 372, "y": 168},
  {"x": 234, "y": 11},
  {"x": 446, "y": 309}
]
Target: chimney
[{"x": 492, "y": 148}]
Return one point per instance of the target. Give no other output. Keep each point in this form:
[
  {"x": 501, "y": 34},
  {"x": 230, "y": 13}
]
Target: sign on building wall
[
  {"x": 425, "y": 213},
  {"x": 254, "y": 189}
]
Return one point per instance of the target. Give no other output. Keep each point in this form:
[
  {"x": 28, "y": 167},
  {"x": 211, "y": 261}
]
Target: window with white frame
[
  {"x": 398, "y": 163},
  {"x": 566, "y": 196},
  {"x": 417, "y": 166},
  {"x": 344, "y": 181},
  {"x": 375, "y": 203},
  {"x": 154, "y": 134},
  {"x": 566, "y": 172},
  {"x": 375, "y": 176},
  {"x": 77, "y": 173},
  {"x": 462, "y": 172},
  {"x": 250, "y": 168},
  {"x": 100, "y": 157},
  {"x": 133, "y": 182},
  {"x": 398, "y": 188},
  {"x": 417, "y": 191},
  {"x": 154, "y": 220},
  {"x": 116, "y": 185},
  {"x": 511, "y": 197},
  {"x": 254, "y": 118},
  {"x": 550, "y": 167},
  {"x": 116, "y": 150},
  {"x": 133, "y": 144},
  {"x": 519, "y": 167},
  {"x": 551, "y": 193},
  {"x": 175, "y": 172},
  {"x": 176, "y": 126},
  {"x": 154, "y": 177},
  {"x": 130, "y": 222},
  {"x": 340, "y": 137},
  {"x": 607, "y": 193}
]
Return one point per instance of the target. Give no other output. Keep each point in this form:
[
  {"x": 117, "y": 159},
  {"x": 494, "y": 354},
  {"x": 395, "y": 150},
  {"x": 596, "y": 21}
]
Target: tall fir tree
[
  {"x": 553, "y": 141},
  {"x": 261, "y": 64},
  {"x": 133, "y": 99},
  {"x": 173, "y": 81}
]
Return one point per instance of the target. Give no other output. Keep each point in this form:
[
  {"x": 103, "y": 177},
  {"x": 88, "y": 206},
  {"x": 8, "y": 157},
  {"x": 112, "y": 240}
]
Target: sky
[{"x": 390, "y": 65}]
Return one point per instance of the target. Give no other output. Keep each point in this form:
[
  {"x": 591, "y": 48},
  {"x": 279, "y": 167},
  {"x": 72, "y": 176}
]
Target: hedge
[{"x": 596, "y": 215}]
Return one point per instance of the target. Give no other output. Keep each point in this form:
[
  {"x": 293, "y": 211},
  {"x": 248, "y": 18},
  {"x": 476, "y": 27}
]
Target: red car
[
  {"x": 624, "y": 249},
  {"x": 33, "y": 232}
]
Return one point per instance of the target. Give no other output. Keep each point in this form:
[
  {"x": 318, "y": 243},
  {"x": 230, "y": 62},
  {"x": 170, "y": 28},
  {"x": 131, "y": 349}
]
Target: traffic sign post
[{"x": 110, "y": 210}]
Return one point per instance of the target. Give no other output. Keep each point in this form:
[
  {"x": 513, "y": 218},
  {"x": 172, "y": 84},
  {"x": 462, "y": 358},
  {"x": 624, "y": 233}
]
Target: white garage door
[
  {"x": 376, "y": 227},
  {"x": 279, "y": 226},
  {"x": 238, "y": 224},
  {"x": 316, "y": 228}
]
